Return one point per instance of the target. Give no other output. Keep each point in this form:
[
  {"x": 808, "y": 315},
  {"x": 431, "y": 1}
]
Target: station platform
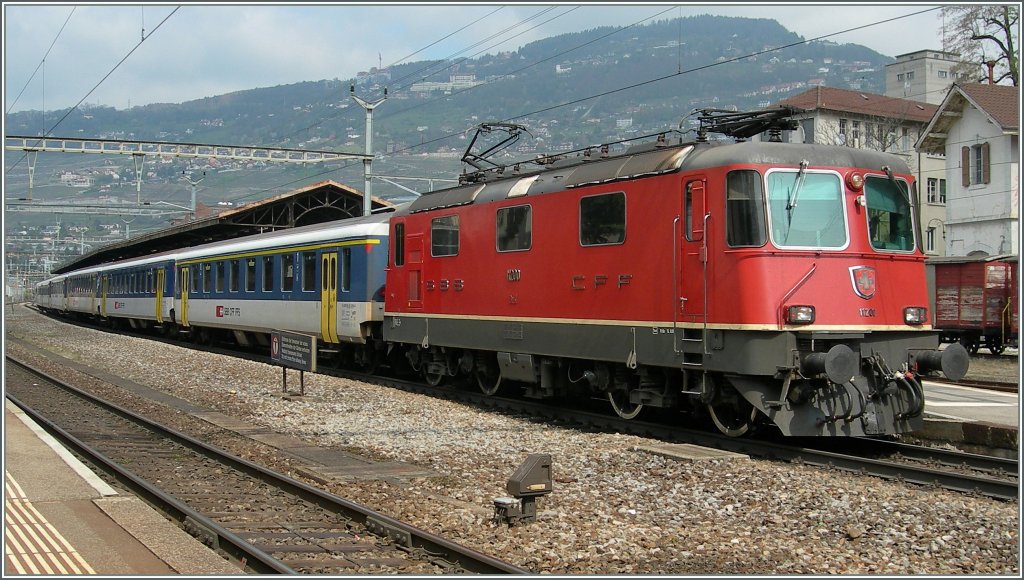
[{"x": 60, "y": 518}]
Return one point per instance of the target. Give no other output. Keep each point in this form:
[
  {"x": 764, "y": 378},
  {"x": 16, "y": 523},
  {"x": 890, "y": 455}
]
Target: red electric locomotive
[{"x": 761, "y": 282}]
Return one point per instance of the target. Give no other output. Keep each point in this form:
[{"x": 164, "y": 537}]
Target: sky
[{"x": 58, "y": 55}]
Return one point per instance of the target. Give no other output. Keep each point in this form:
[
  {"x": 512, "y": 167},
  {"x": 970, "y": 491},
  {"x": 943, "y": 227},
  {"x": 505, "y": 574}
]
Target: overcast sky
[{"x": 206, "y": 50}]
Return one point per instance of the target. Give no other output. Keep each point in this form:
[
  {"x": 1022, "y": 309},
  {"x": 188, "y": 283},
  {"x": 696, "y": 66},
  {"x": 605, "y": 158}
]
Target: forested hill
[{"x": 673, "y": 67}]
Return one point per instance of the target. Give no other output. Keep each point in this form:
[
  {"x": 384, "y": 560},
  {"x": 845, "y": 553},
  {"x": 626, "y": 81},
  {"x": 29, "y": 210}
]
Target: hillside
[{"x": 697, "y": 64}]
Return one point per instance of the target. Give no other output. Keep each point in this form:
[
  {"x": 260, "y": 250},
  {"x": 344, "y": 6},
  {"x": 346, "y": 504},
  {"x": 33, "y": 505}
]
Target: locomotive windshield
[
  {"x": 807, "y": 210},
  {"x": 889, "y": 216}
]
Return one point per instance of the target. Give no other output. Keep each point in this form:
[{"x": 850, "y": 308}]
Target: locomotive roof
[{"x": 649, "y": 160}]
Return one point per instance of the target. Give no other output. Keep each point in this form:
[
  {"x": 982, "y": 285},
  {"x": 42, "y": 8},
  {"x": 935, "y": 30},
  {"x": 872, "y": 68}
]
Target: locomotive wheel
[
  {"x": 619, "y": 398},
  {"x": 733, "y": 415},
  {"x": 995, "y": 345},
  {"x": 488, "y": 377}
]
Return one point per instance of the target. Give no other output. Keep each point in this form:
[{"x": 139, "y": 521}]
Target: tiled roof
[
  {"x": 846, "y": 101},
  {"x": 1001, "y": 102}
]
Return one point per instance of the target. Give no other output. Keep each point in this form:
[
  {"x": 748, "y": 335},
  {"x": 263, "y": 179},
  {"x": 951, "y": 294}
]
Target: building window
[
  {"x": 900, "y": 76},
  {"x": 929, "y": 240},
  {"x": 933, "y": 190},
  {"x": 942, "y": 191},
  {"x": 975, "y": 164},
  {"x": 910, "y": 76},
  {"x": 856, "y": 134},
  {"x": 905, "y": 139},
  {"x": 943, "y": 74},
  {"x": 842, "y": 131}
]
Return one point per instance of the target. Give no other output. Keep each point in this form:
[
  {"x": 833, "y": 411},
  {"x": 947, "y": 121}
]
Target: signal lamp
[
  {"x": 855, "y": 181},
  {"x": 800, "y": 315},
  {"x": 915, "y": 315}
]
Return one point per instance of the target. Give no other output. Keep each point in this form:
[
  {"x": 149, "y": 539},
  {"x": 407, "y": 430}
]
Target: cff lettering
[{"x": 223, "y": 311}]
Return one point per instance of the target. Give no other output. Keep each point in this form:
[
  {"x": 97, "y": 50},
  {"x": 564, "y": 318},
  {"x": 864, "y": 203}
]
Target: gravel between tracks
[{"x": 615, "y": 510}]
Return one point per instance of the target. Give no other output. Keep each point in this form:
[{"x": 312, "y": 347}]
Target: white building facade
[{"x": 977, "y": 129}]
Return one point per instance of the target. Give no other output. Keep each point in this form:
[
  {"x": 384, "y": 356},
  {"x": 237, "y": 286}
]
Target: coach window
[
  {"x": 444, "y": 236},
  {"x": 250, "y": 275},
  {"x": 219, "y": 276},
  {"x": 514, "y": 228},
  {"x": 346, "y": 269},
  {"x": 151, "y": 281},
  {"x": 235, "y": 271},
  {"x": 308, "y": 271},
  {"x": 399, "y": 244},
  {"x": 744, "y": 209},
  {"x": 603, "y": 219},
  {"x": 890, "y": 222},
  {"x": 287, "y": 272},
  {"x": 268, "y": 273},
  {"x": 196, "y": 273}
]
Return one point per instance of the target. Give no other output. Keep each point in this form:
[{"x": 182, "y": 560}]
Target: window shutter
[
  {"x": 986, "y": 165},
  {"x": 965, "y": 166}
]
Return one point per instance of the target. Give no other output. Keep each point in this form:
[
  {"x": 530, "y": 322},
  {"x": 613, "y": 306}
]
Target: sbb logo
[{"x": 223, "y": 311}]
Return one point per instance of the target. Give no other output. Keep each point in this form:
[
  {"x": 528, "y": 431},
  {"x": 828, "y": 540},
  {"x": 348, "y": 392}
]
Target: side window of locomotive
[
  {"x": 250, "y": 275},
  {"x": 744, "y": 209},
  {"x": 514, "y": 228},
  {"x": 399, "y": 244},
  {"x": 890, "y": 222},
  {"x": 308, "y": 271},
  {"x": 603, "y": 219},
  {"x": 806, "y": 210},
  {"x": 444, "y": 236},
  {"x": 287, "y": 272},
  {"x": 268, "y": 273}
]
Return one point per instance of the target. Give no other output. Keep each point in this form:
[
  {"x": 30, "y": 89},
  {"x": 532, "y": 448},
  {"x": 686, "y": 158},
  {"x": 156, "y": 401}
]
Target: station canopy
[{"x": 317, "y": 203}]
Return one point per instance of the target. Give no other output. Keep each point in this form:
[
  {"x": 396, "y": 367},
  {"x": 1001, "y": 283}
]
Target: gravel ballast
[{"x": 615, "y": 509}]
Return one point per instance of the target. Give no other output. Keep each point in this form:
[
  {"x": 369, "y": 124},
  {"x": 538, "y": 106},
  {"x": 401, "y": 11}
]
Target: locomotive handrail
[{"x": 792, "y": 291}]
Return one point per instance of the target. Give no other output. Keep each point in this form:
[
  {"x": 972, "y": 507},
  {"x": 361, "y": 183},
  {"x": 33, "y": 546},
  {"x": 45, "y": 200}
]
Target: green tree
[{"x": 983, "y": 33}]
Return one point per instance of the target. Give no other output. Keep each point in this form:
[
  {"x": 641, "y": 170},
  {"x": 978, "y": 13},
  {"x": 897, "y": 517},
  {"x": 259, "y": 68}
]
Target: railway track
[
  {"x": 926, "y": 466},
  {"x": 267, "y": 521}
]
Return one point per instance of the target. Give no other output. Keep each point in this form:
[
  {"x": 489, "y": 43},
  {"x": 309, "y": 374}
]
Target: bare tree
[{"x": 983, "y": 33}]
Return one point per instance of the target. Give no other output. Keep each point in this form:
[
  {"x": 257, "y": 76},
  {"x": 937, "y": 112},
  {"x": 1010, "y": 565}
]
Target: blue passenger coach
[{"x": 325, "y": 280}]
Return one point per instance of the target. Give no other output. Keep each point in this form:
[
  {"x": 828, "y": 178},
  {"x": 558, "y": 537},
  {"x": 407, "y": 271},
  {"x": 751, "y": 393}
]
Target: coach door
[
  {"x": 160, "y": 274},
  {"x": 184, "y": 285},
  {"x": 329, "y": 296},
  {"x": 691, "y": 261},
  {"x": 103, "y": 295}
]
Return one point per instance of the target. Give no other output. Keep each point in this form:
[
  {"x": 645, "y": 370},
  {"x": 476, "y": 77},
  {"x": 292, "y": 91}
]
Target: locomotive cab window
[
  {"x": 444, "y": 236},
  {"x": 603, "y": 219},
  {"x": 807, "y": 210},
  {"x": 890, "y": 221},
  {"x": 514, "y": 228},
  {"x": 744, "y": 209}
]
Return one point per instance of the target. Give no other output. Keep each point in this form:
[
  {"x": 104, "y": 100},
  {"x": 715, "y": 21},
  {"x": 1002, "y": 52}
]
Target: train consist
[{"x": 755, "y": 283}]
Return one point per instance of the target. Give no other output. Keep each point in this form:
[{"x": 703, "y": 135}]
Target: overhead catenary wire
[
  {"x": 43, "y": 60},
  {"x": 93, "y": 89}
]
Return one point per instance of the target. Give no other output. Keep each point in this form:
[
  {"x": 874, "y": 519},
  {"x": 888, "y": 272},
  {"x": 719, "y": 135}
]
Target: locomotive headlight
[
  {"x": 915, "y": 315},
  {"x": 800, "y": 315}
]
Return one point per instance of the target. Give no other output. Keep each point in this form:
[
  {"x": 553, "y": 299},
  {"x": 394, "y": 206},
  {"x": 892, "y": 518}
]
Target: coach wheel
[
  {"x": 619, "y": 398},
  {"x": 971, "y": 344},
  {"x": 995, "y": 345},
  {"x": 488, "y": 376},
  {"x": 434, "y": 373},
  {"x": 732, "y": 414}
]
